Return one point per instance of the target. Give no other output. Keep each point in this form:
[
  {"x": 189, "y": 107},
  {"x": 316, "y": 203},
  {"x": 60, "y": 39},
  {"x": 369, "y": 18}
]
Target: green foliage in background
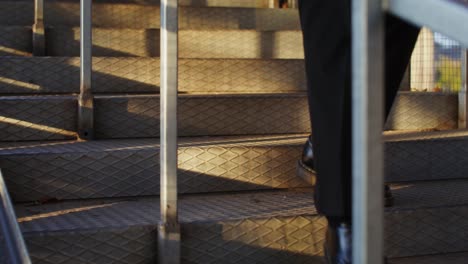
[{"x": 448, "y": 74}]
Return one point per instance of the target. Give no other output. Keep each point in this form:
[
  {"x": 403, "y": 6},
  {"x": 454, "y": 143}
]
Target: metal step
[
  {"x": 142, "y": 16},
  {"x": 115, "y": 168},
  {"x": 199, "y": 3},
  {"x": 426, "y": 155},
  {"x": 37, "y": 117},
  {"x": 141, "y": 75},
  {"x": 254, "y": 227},
  {"x": 15, "y": 41},
  {"x": 204, "y": 115},
  {"x": 452, "y": 258},
  {"x": 137, "y": 116},
  {"x": 28, "y": 118},
  {"x": 234, "y": 44}
]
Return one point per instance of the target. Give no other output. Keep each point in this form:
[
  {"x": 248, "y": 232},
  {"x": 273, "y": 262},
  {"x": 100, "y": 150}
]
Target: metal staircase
[{"x": 242, "y": 120}]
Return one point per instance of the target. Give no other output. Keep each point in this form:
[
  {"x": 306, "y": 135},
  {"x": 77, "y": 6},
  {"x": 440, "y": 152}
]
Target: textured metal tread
[
  {"x": 15, "y": 41},
  {"x": 202, "y": 3},
  {"x": 226, "y": 43},
  {"x": 132, "y": 116},
  {"x": 117, "y": 213},
  {"x": 419, "y": 226},
  {"x": 141, "y": 75},
  {"x": 196, "y": 208},
  {"x": 416, "y": 111},
  {"x": 62, "y": 147},
  {"x": 453, "y": 258},
  {"x": 116, "y": 168},
  {"x": 418, "y": 135},
  {"x": 130, "y": 15},
  {"x": 43, "y": 117}
]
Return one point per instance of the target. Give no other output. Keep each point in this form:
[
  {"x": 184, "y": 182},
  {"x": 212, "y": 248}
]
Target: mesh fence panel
[{"x": 435, "y": 63}]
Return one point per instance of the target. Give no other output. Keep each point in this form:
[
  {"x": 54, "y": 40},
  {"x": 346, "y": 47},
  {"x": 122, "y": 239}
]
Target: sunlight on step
[
  {"x": 62, "y": 212},
  {"x": 21, "y": 84},
  {"x": 10, "y": 51},
  {"x": 26, "y": 124}
]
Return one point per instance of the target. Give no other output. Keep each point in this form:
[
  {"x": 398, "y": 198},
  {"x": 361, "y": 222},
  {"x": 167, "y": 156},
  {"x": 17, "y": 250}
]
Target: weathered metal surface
[
  {"x": 245, "y": 44},
  {"x": 438, "y": 111},
  {"x": 141, "y": 75},
  {"x": 424, "y": 156},
  {"x": 74, "y": 170},
  {"x": 37, "y": 118},
  {"x": 15, "y": 41},
  {"x": 258, "y": 227},
  {"x": 453, "y": 258},
  {"x": 203, "y": 115},
  {"x": 132, "y": 116}
]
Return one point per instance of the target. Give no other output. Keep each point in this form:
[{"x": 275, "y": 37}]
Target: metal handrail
[{"x": 16, "y": 248}]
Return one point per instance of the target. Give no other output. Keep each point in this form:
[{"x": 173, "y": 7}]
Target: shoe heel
[{"x": 308, "y": 175}]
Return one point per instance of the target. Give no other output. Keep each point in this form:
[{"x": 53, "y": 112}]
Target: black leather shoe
[
  {"x": 305, "y": 166},
  {"x": 306, "y": 170},
  {"x": 338, "y": 243}
]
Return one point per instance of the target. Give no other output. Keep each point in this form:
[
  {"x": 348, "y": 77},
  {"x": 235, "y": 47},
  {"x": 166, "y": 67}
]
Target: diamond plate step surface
[
  {"x": 245, "y": 44},
  {"x": 453, "y": 258},
  {"x": 426, "y": 155},
  {"x": 124, "y": 15},
  {"x": 419, "y": 110},
  {"x": 137, "y": 116},
  {"x": 37, "y": 117},
  {"x": 265, "y": 227},
  {"x": 203, "y": 115},
  {"x": 116, "y": 168},
  {"x": 199, "y": 3},
  {"x": 15, "y": 41},
  {"x": 141, "y": 75},
  {"x": 16, "y": 13}
]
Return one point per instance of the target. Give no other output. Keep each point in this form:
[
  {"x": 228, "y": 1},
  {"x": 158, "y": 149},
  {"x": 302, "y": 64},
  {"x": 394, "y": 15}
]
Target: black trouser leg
[{"x": 326, "y": 28}]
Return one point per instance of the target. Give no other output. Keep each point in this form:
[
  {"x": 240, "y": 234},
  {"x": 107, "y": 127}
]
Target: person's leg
[
  {"x": 326, "y": 32},
  {"x": 327, "y": 45},
  {"x": 326, "y": 29}
]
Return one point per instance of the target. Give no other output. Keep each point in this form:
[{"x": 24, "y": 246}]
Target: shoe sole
[{"x": 308, "y": 175}]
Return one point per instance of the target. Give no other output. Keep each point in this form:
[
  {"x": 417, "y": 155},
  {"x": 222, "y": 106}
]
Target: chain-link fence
[{"x": 435, "y": 64}]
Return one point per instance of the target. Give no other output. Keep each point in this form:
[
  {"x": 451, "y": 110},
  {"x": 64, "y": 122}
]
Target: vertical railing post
[
  {"x": 367, "y": 115},
  {"x": 462, "y": 97},
  {"x": 9, "y": 229},
  {"x": 169, "y": 230},
  {"x": 85, "y": 99},
  {"x": 38, "y": 29}
]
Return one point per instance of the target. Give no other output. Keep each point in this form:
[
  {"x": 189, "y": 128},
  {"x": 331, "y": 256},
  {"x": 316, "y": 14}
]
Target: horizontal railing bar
[{"x": 448, "y": 17}]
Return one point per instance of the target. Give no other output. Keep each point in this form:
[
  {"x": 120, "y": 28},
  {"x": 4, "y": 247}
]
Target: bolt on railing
[
  {"x": 85, "y": 98},
  {"x": 15, "y": 247},
  {"x": 169, "y": 230},
  {"x": 38, "y": 29}
]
